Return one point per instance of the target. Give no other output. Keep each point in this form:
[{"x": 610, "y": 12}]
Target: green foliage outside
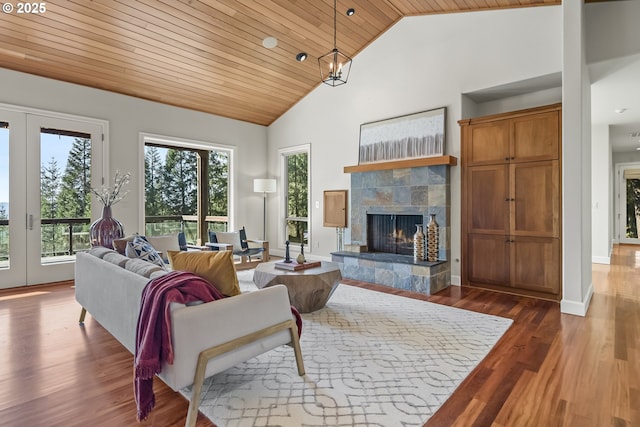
[
  {"x": 171, "y": 189},
  {"x": 66, "y": 194},
  {"x": 633, "y": 207},
  {"x": 297, "y": 198}
]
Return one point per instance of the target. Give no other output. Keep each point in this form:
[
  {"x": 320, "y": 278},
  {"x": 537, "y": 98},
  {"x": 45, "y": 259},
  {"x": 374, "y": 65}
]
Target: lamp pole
[
  {"x": 264, "y": 215},
  {"x": 264, "y": 186}
]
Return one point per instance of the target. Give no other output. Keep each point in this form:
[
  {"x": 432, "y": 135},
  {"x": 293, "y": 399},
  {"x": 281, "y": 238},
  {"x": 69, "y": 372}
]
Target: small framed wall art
[{"x": 405, "y": 137}]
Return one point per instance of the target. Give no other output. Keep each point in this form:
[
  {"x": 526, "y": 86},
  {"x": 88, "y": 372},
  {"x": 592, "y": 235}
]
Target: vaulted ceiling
[{"x": 204, "y": 55}]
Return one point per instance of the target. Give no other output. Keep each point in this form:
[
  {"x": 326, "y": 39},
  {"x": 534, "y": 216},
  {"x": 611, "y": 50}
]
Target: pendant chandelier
[{"x": 335, "y": 65}]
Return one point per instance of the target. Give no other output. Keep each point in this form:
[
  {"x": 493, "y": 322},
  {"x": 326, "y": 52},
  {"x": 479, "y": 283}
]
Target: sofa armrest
[{"x": 203, "y": 326}]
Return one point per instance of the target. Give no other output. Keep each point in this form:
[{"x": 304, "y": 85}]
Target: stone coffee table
[{"x": 309, "y": 289}]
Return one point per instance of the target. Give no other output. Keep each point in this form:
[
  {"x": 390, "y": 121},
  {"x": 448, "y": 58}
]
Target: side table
[{"x": 309, "y": 289}]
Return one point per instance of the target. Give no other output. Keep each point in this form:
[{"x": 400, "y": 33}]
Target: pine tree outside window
[
  {"x": 186, "y": 189},
  {"x": 295, "y": 164}
]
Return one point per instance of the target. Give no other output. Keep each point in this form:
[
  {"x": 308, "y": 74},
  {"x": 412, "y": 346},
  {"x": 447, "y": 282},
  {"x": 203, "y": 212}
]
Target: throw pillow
[
  {"x": 141, "y": 249},
  {"x": 120, "y": 245},
  {"x": 214, "y": 266},
  {"x": 163, "y": 244}
]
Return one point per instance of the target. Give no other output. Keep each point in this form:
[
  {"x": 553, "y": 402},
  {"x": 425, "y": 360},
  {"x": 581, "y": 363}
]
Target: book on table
[{"x": 294, "y": 266}]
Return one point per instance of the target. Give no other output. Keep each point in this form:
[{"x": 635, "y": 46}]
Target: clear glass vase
[{"x": 105, "y": 229}]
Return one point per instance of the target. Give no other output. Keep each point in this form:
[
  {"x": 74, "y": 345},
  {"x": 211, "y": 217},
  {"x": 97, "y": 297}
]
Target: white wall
[
  {"x": 421, "y": 63},
  {"x": 129, "y": 116},
  {"x": 601, "y": 194}
]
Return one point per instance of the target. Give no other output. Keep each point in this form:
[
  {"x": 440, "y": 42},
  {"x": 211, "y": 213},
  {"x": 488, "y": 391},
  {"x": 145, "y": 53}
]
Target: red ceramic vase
[{"x": 105, "y": 229}]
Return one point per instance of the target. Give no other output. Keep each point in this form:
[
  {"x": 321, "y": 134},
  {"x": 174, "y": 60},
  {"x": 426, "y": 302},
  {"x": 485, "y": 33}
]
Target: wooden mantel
[{"x": 399, "y": 164}]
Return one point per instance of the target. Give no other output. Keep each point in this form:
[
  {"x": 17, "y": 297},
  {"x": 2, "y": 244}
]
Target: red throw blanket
[{"x": 153, "y": 333}]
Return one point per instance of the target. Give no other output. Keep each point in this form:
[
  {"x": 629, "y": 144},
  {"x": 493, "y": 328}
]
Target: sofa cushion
[
  {"x": 116, "y": 258},
  {"x": 214, "y": 266},
  {"x": 100, "y": 251},
  {"x": 142, "y": 267},
  {"x": 158, "y": 273},
  {"x": 141, "y": 249}
]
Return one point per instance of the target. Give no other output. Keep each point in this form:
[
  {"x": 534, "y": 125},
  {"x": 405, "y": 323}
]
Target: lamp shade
[{"x": 264, "y": 185}]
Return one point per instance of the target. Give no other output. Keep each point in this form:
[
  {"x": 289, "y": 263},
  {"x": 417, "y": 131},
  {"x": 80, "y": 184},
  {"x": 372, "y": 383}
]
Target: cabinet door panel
[
  {"x": 535, "y": 264},
  {"x": 488, "y": 259},
  {"x": 535, "y": 207},
  {"x": 536, "y": 137},
  {"x": 487, "y": 204},
  {"x": 488, "y": 143}
]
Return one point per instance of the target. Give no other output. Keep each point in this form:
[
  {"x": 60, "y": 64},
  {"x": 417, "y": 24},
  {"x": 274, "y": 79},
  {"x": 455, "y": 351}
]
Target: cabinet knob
[
  {"x": 513, "y": 158},
  {"x": 506, "y": 158}
]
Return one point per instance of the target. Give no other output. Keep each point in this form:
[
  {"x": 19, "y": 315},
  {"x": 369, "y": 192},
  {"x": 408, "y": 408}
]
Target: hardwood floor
[{"x": 549, "y": 369}]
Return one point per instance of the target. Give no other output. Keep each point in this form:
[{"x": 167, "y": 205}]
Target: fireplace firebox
[{"x": 391, "y": 233}]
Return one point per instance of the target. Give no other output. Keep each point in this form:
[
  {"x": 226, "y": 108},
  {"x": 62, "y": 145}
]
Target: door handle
[{"x": 30, "y": 222}]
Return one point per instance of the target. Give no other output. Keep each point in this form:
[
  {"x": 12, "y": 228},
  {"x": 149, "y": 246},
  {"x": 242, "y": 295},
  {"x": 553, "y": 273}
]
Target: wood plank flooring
[{"x": 549, "y": 369}]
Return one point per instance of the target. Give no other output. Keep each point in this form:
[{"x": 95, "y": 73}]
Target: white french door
[{"x": 45, "y": 217}]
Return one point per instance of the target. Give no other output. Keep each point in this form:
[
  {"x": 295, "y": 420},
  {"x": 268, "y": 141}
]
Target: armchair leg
[{"x": 295, "y": 341}]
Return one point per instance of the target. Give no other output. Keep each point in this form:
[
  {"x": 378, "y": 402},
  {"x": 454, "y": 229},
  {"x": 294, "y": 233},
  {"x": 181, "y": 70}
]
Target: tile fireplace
[{"x": 385, "y": 207}]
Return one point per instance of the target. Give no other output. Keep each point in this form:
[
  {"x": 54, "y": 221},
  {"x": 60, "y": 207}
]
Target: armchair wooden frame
[{"x": 210, "y": 353}]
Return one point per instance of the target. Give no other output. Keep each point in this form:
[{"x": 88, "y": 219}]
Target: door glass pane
[
  {"x": 633, "y": 208},
  {"x": 218, "y": 212},
  {"x": 297, "y": 228},
  {"x": 65, "y": 194},
  {"x": 4, "y": 195}
]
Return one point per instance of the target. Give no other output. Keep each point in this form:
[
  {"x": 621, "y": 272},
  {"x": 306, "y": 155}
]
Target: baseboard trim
[
  {"x": 577, "y": 308},
  {"x": 455, "y": 280},
  {"x": 601, "y": 260}
]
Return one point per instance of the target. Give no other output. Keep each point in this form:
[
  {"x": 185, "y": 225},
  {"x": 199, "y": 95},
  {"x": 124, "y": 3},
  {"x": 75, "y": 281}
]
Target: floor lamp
[{"x": 264, "y": 186}]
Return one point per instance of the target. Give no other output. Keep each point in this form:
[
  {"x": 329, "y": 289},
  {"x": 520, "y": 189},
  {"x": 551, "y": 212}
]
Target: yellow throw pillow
[{"x": 216, "y": 267}]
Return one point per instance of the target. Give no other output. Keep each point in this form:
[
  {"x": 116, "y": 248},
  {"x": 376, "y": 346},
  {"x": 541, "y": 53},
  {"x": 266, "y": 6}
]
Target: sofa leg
[
  {"x": 194, "y": 402},
  {"x": 83, "y": 313}
]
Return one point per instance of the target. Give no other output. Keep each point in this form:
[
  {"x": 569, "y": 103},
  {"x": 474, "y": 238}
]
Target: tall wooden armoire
[{"x": 511, "y": 202}]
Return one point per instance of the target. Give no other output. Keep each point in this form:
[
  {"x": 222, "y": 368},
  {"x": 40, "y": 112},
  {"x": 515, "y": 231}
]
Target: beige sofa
[{"x": 207, "y": 338}]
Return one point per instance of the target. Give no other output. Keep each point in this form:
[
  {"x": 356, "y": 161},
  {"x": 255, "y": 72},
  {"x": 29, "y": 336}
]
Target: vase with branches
[{"x": 106, "y": 228}]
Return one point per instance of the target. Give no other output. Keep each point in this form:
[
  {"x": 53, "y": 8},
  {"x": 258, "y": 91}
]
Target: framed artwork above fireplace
[{"x": 405, "y": 137}]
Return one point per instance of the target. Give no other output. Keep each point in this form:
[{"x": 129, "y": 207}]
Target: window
[
  {"x": 295, "y": 165},
  {"x": 186, "y": 189}
]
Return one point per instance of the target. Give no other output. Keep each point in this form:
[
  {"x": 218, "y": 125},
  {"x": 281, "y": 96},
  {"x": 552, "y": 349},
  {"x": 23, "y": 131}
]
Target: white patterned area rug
[{"x": 371, "y": 359}]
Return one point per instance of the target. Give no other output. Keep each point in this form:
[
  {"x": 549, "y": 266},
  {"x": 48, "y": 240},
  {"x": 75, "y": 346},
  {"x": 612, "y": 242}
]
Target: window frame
[
  {"x": 189, "y": 144},
  {"x": 282, "y": 215}
]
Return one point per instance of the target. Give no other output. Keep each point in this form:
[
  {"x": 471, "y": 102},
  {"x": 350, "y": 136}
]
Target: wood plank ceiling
[{"x": 204, "y": 55}]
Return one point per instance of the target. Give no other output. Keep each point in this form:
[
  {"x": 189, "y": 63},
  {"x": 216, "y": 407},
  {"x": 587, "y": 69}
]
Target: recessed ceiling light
[
  {"x": 351, "y": 11},
  {"x": 638, "y": 148},
  {"x": 301, "y": 56},
  {"x": 620, "y": 110},
  {"x": 270, "y": 42}
]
